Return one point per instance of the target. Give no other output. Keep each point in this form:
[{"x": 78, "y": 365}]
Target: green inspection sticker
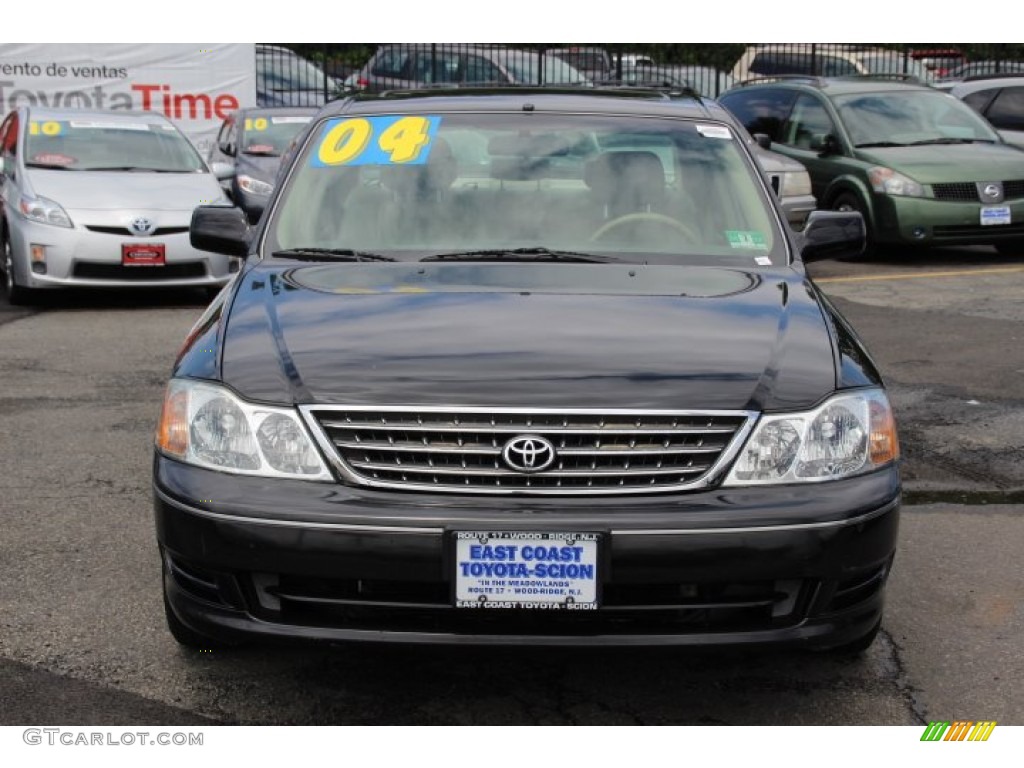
[{"x": 751, "y": 241}]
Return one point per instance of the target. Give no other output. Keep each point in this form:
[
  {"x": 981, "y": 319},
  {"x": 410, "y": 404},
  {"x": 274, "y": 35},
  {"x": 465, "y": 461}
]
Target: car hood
[
  {"x": 941, "y": 163},
  {"x": 108, "y": 190},
  {"x": 551, "y": 335},
  {"x": 262, "y": 167}
]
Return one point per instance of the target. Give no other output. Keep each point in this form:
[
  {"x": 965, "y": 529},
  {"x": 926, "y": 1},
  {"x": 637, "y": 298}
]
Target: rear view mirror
[
  {"x": 833, "y": 235},
  {"x": 220, "y": 229}
]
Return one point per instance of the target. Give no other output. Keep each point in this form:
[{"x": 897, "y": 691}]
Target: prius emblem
[
  {"x": 142, "y": 226},
  {"x": 528, "y": 453}
]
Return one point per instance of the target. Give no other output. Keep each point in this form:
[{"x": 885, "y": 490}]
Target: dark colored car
[
  {"x": 525, "y": 366},
  {"x": 252, "y": 142},
  {"x": 407, "y": 67},
  {"x": 920, "y": 165}
]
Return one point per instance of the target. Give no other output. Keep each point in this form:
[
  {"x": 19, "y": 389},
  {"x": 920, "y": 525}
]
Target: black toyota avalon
[{"x": 525, "y": 367}]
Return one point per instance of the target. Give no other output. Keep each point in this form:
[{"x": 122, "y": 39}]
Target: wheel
[
  {"x": 850, "y": 202},
  {"x": 645, "y": 218},
  {"x": 858, "y": 646},
  {"x": 16, "y": 294},
  {"x": 1010, "y": 248}
]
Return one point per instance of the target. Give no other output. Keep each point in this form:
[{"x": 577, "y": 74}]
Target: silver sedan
[{"x": 101, "y": 199}]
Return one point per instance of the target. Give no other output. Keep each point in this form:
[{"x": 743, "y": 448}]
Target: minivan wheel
[
  {"x": 850, "y": 202},
  {"x": 16, "y": 294}
]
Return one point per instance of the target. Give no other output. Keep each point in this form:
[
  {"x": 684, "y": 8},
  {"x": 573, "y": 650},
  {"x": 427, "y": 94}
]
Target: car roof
[
  {"x": 833, "y": 86},
  {"x": 597, "y": 100}
]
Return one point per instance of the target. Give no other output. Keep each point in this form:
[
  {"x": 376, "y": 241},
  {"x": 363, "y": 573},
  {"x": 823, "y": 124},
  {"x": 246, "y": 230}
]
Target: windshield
[
  {"x": 270, "y": 134},
  {"x": 631, "y": 188},
  {"x": 905, "y": 117},
  {"x": 94, "y": 145}
]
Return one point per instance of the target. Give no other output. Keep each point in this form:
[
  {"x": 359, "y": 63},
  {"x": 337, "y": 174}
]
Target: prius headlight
[
  {"x": 43, "y": 211},
  {"x": 849, "y": 434},
  {"x": 207, "y": 425},
  {"x": 254, "y": 186}
]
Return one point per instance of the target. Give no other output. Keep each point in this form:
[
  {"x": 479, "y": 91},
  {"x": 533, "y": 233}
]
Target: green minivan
[{"x": 921, "y": 166}]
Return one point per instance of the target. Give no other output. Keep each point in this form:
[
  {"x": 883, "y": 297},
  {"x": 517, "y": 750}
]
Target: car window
[
  {"x": 430, "y": 68},
  {"x": 9, "y": 136},
  {"x": 763, "y": 110},
  {"x": 979, "y": 99},
  {"x": 224, "y": 137},
  {"x": 798, "y": 63},
  {"x": 269, "y": 134},
  {"x": 480, "y": 70},
  {"x": 667, "y": 190},
  {"x": 390, "y": 62},
  {"x": 92, "y": 145},
  {"x": 1007, "y": 111},
  {"x": 894, "y": 64},
  {"x": 906, "y": 117},
  {"x": 808, "y": 119}
]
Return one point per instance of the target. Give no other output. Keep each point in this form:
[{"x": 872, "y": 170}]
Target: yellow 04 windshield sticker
[{"x": 380, "y": 140}]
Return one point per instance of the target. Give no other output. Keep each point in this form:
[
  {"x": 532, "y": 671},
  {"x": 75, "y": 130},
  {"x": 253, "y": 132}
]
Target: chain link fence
[{"x": 309, "y": 74}]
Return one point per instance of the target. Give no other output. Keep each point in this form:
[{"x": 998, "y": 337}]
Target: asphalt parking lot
[{"x": 82, "y": 636}]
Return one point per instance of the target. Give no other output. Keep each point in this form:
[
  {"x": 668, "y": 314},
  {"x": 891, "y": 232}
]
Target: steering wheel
[{"x": 647, "y": 218}]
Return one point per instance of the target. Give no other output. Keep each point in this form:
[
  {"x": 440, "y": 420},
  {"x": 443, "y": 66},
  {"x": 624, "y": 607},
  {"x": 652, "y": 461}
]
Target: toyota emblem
[
  {"x": 528, "y": 453},
  {"x": 142, "y": 226}
]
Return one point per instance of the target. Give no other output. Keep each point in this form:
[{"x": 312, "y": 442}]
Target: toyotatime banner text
[{"x": 194, "y": 84}]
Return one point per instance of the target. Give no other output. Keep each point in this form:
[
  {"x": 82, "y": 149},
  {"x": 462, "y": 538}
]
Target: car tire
[
  {"x": 851, "y": 202},
  {"x": 17, "y": 295},
  {"x": 188, "y": 637},
  {"x": 858, "y": 646}
]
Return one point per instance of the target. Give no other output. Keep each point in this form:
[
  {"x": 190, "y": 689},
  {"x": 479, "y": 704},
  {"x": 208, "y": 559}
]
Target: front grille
[
  {"x": 967, "y": 191},
  {"x": 460, "y": 450},
  {"x": 96, "y": 271},
  {"x": 125, "y": 232}
]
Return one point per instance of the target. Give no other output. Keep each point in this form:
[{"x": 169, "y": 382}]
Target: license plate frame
[
  {"x": 995, "y": 215},
  {"x": 505, "y": 570},
  {"x": 143, "y": 255}
]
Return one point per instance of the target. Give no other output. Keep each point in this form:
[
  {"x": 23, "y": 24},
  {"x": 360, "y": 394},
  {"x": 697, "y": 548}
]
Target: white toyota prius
[{"x": 102, "y": 199}]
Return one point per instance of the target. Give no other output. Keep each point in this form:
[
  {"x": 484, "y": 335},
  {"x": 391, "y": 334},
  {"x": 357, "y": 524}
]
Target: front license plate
[
  {"x": 143, "y": 255},
  {"x": 995, "y": 214},
  {"x": 517, "y": 569}
]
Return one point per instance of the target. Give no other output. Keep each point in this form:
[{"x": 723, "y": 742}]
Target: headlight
[
  {"x": 254, "y": 186},
  {"x": 44, "y": 211},
  {"x": 206, "y": 425},
  {"x": 794, "y": 184},
  {"x": 889, "y": 182},
  {"x": 850, "y": 434}
]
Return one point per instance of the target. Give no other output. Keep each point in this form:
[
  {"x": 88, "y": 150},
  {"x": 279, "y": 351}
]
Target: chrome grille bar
[{"x": 460, "y": 450}]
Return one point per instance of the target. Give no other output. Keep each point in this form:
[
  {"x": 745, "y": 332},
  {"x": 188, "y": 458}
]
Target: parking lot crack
[{"x": 900, "y": 676}]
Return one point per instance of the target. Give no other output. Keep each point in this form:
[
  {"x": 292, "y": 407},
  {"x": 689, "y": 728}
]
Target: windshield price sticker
[
  {"x": 515, "y": 569},
  {"x": 749, "y": 241},
  {"x": 291, "y": 119},
  {"x": 995, "y": 214},
  {"x": 382, "y": 140},
  {"x": 714, "y": 131}
]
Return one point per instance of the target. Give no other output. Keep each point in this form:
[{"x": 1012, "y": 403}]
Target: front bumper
[
  {"x": 926, "y": 221},
  {"x": 250, "y": 558},
  {"x": 78, "y": 257}
]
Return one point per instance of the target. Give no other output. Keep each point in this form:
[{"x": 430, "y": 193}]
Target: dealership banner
[{"x": 194, "y": 84}]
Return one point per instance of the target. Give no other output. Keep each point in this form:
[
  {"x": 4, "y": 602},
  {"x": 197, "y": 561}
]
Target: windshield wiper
[
  {"x": 51, "y": 166},
  {"x": 879, "y": 144},
  {"x": 137, "y": 168},
  {"x": 950, "y": 140},
  {"x": 537, "y": 253},
  {"x": 328, "y": 254}
]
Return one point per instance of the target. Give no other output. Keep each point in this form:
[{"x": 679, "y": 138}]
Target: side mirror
[
  {"x": 825, "y": 144},
  {"x": 227, "y": 148},
  {"x": 223, "y": 171},
  {"x": 220, "y": 229},
  {"x": 764, "y": 141},
  {"x": 833, "y": 235}
]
